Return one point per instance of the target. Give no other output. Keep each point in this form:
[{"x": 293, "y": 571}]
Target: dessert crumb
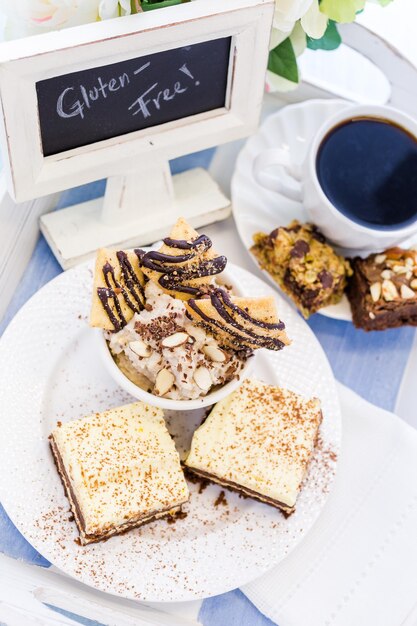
[
  {"x": 221, "y": 499},
  {"x": 172, "y": 519}
]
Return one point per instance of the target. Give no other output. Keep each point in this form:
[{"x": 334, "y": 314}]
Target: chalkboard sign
[{"x": 84, "y": 107}]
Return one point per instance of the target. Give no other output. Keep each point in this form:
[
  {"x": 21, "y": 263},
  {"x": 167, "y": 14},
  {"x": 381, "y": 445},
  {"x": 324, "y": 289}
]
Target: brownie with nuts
[
  {"x": 303, "y": 264},
  {"x": 383, "y": 290}
]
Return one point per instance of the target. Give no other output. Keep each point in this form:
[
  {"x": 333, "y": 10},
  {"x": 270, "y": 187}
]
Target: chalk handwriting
[
  {"x": 143, "y": 104},
  {"x": 88, "y": 96},
  {"x": 77, "y": 101}
]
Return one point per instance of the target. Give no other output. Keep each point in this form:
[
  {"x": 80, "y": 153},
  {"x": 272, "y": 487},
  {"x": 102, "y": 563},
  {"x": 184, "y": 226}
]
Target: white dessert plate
[
  {"x": 257, "y": 209},
  {"x": 51, "y": 373}
]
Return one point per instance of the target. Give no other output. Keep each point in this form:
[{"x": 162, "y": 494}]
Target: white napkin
[{"x": 358, "y": 565}]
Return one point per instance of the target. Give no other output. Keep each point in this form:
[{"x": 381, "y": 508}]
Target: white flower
[
  {"x": 298, "y": 39},
  {"x": 287, "y": 12},
  {"x": 314, "y": 21},
  {"x": 113, "y": 8},
  {"x": 277, "y": 37},
  {"x": 31, "y": 17}
]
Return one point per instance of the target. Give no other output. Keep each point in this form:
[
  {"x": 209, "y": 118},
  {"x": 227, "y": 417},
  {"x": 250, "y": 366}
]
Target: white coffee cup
[{"x": 275, "y": 170}]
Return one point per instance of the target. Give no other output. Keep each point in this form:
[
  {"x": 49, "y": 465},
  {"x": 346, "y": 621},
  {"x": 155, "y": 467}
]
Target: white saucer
[{"x": 257, "y": 209}]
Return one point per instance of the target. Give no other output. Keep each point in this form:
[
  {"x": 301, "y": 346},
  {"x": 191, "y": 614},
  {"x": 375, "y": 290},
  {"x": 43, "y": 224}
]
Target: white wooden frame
[{"x": 25, "y": 62}]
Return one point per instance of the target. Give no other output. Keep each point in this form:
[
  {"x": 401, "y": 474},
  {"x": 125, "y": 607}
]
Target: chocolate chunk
[
  {"x": 300, "y": 249},
  {"x": 309, "y": 296},
  {"x": 326, "y": 279},
  {"x": 317, "y": 235}
]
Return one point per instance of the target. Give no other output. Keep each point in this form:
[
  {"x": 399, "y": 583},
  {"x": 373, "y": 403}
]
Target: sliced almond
[
  {"x": 177, "y": 339},
  {"x": 409, "y": 261},
  {"x": 413, "y": 283},
  {"x": 386, "y": 274},
  {"x": 389, "y": 291},
  {"x": 375, "y": 291},
  {"x": 371, "y": 315},
  {"x": 380, "y": 258},
  {"x": 214, "y": 354},
  {"x": 196, "y": 332},
  {"x": 164, "y": 381},
  {"x": 140, "y": 348},
  {"x": 202, "y": 378},
  {"x": 408, "y": 275},
  {"x": 400, "y": 269},
  {"x": 406, "y": 292}
]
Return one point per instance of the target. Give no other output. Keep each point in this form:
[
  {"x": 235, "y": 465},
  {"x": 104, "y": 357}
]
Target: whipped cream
[{"x": 193, "y": 367}]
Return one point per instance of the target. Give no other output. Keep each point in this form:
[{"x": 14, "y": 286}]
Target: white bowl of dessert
[
  {"x": 175, "y": 329},
  {"x": 180, "y": 370}
]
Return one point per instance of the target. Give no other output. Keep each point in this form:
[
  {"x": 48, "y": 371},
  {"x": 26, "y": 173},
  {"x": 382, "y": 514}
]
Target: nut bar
[
  {"x": 258, "y": 441},
  {"x": 303, "y": 264},
  {"x": 120, "y": 469},
  {"x": 383, "y": 290}
]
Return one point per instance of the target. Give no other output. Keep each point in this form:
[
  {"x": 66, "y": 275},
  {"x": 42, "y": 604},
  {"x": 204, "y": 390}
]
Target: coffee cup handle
[{"x": 285, "y": 181}]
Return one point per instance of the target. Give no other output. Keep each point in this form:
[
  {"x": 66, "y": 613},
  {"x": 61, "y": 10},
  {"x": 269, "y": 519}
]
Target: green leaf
[
  {"x": 341, "y": 10},
  {"x": 282, "y": 61},
  {"x": 150, "y": 5},
  {"x": 330, "y": 40}
]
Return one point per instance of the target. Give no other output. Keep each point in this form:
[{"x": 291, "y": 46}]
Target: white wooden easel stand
[
  {"x": 142, "y": 198},
  {"x": 136, "y": 210}
]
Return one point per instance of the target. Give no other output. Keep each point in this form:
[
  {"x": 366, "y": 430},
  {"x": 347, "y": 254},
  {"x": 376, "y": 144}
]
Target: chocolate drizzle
[
  {"x": 174, "y": 278},
  {"x": 228, "y": 302},
  {"x": 202, "y": 242},
  {"x": 104, "y": 296},
  {"x": 131, "y": 281},
  {"x": 131, "y": 291},
  {"x": 220, "y": 300}
]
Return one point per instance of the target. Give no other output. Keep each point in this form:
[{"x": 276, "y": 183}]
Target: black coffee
[{"x": 368, "y": 169}]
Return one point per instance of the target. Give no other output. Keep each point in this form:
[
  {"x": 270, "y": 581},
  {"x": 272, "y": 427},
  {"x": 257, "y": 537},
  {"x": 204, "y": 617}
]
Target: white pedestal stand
[{"x": 137, "y": 209}]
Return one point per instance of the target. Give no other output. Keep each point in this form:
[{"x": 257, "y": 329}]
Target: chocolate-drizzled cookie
[
  {"x": 241, "y": 323},
  {"x": 185, "y": 264},
  {"x": 118, "y": 289}
]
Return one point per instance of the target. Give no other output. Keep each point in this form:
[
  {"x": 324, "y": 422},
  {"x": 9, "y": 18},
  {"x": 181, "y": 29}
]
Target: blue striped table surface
[{"x": 372, "y": 364}]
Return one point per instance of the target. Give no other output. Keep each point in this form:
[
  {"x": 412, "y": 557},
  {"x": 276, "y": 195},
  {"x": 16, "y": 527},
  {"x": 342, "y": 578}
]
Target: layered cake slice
[
  {"x": 241, "y": 323},
  {"x": 258, "y": 441},
  {"x": 185, "y": 264},
  {"x": 117, "y": 290},
  {"x": 120, "y": 469}
]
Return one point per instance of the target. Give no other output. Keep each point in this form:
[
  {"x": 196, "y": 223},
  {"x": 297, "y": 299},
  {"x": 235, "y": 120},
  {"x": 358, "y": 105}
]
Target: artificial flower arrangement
[
  {"x": 301, "y": 24},
  {"x": 32, "y": 17},
  {"x": 297, "y": 24}
]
